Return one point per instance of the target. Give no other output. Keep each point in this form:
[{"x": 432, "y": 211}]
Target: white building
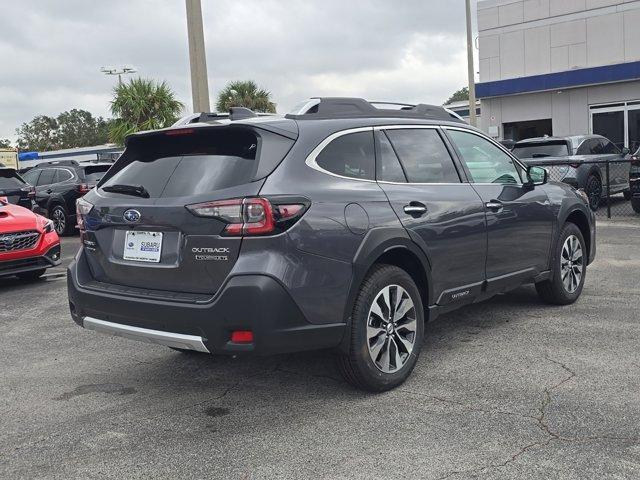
[{"x": 560, "y": 67}]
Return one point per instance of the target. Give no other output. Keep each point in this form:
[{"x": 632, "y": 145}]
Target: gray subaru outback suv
[{"x": 342, "y": 225}]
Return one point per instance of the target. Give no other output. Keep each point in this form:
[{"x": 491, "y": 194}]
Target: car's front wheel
[
  {"x": 387, "y": 330},
  {"x": 567, "y": 280}
]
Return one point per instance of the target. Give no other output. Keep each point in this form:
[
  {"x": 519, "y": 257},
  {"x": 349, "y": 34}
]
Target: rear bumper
[
  {"x": 29, "y": 263},
  {"x": 246, "y": 302}
]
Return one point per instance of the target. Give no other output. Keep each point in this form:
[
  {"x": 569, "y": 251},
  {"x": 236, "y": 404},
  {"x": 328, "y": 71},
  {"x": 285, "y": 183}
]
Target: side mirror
[
  {"x": 625, "y": 151},
  {"x": 536, "y": 176}
]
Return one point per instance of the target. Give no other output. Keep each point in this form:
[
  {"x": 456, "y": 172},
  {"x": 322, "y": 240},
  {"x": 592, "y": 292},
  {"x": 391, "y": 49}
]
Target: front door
[
  {"x": 443, "y": 215},
  {"x": 519, "y": 218}
]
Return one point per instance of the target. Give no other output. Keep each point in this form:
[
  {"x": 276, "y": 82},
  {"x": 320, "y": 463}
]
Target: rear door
[
  {"x": 618, "y": 166},
  {"x": 44, "y": 187},
  {"x": 442, "y": 213},
  {"x": 519, "y": 219},
  {"x": 187, "y": 253}
]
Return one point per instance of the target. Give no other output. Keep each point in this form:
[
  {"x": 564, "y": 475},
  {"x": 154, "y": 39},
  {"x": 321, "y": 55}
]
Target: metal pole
[
  {"x": 197, "y": 58},
  {"x": 608, "y": 192},
  {"x": 473, "y": 120}
]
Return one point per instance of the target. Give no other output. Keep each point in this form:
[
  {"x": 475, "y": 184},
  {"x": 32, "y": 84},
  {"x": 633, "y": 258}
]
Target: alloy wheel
[
  {"x": 571, "y": 264},
  {"x": 391, "y": 328},
  {"x": 59, "y": 221}
]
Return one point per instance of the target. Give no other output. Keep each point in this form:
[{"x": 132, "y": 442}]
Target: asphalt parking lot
[{"x": 507, "y": 389}]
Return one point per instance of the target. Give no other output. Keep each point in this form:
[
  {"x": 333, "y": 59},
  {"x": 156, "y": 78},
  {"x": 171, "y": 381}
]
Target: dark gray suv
[{"x": 341, "y": 225}]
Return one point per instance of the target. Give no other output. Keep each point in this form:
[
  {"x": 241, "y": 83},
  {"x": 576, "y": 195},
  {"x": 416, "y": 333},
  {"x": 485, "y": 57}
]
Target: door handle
[
  {"x": 416, "y": 209},
  {"x": 494, "y": 205},
  {"x": 48, "y": 190}
]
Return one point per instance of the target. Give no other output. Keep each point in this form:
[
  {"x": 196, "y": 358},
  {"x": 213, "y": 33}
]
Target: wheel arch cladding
[
  {"x": 580, "y": 220},
  {"x": 392, "y": 246}
]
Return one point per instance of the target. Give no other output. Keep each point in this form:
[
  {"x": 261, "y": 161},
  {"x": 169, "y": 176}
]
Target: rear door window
[
  {"x": 47, "y": 177},
  {"x": 424, "y": 157},
  {"x": 351, "y": 155},
  {"x": 183, "y": 165},
  {"x": 388, "y": 168}
]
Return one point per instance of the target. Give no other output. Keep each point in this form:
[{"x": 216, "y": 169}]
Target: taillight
[
  {"x": 83, "y": 208},
  {"x": 31, "y": 192},
  {"x": 635, "y": 161},
  {"x": 574, "y": 165},
  {"x": 251, "y": 216},
  {"x": 84, "y": 187}
]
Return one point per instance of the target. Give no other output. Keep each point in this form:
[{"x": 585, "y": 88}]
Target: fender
[{"x": 376, "y": 243}]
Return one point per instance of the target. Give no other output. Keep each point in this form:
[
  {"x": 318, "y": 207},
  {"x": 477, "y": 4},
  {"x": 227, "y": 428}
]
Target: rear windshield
[
  {"x": 94, "y": 173},
  {"x": 541, "y": 150},
  {"x": 190, "y": 164},
  {"x": 9, "y": 179}
]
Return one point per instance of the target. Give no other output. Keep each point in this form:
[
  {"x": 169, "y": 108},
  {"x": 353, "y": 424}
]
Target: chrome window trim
[
  {"x": 497, "y": 144},
  {"x": 311, "y": 159}
]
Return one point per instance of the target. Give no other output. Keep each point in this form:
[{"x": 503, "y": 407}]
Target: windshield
[
  {"x": 540, "y": 150},
  {"x": 10, "y": 180}
]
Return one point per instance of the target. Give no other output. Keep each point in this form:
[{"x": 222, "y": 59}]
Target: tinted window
[
  {"x": 94, "y": 173},
  {"x": 350, "y": 155},
  {"x": 183, "y": 165},
  {"x": 47, "y": 177},
  {"x": 10, "y": 180},
  {"x": 64, "y": 175},
  {"x": 486, "y": 162},
  {"x": 591, "y": 146},
  {"x": 31, "y": 177},
  {"x": 388, "y": 168},
  {"x": 540, "y": 150},
  {"x": 424, "y": 156},
  {"x": 609, "y": 148}
]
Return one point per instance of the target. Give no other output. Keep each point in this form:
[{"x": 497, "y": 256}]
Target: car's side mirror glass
[
  {"x": 537, "y": 176},
  {"x": 626, "y": 151}
]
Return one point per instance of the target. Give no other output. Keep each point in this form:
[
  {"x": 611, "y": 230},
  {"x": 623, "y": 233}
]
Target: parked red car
[{"x": 28, "y": 242}]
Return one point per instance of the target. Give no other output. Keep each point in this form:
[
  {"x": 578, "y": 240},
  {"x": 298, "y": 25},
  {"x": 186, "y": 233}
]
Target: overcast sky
[{"x": 403, "y": 50}]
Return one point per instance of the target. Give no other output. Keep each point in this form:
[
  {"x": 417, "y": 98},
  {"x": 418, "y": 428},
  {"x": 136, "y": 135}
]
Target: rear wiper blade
[{"x": 135, "y": 190}]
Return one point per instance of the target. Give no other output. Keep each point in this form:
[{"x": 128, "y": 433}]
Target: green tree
[
  {"x": 72, "y": 129},
  {"x": 142, "y": 104},
  {"x": 6, "y": 143},
  {"x": 38, "y": 135},
  {"x": 245, "y": 94},
  {"x": 459, "y": 96}
]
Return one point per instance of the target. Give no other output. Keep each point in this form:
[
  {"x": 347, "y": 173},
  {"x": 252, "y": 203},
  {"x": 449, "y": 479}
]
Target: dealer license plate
[{"x": 143, "y": 246}]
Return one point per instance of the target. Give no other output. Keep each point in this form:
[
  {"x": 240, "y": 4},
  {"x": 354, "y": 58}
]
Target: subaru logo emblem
[{"x": 132, "y": 216}]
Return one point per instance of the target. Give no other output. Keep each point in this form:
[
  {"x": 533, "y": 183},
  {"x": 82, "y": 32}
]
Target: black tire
[
  {"x": 627, "y": 195},
  {"x": 358, "y": 367},
  {"x": 593, "y": 189},
  {"x": 635, "y": 204},
  {"x": 555, "y": 290},
  {"x": 61, "y": 220},
  {"x": 32, "y": 275}
]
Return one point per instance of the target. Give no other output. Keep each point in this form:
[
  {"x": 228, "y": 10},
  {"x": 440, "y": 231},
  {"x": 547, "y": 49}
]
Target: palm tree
[
  {"x": 142, "y": 104},
  {"x": 245, "y": 94}
]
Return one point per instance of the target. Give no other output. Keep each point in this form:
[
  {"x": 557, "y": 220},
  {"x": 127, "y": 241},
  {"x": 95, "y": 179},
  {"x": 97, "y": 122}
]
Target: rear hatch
[
  {"x": 146, "y": 238},
  {"x": 14, "y": 188}
]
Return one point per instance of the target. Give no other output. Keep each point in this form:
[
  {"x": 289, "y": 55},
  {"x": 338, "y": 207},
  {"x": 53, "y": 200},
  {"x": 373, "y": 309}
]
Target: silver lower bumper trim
[{"x": 176, "y": 340}]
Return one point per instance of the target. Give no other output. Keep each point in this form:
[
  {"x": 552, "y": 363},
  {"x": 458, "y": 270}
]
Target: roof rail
[
  {"x": 344, "y": 107},
  {"x": 235, "y": 113},
  {"x": 63, "y": 163}
]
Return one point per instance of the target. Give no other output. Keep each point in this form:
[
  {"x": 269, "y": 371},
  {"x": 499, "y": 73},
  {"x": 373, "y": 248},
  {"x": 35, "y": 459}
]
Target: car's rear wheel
[
  {"x": 593, "y": 189},
  {"x": 635, "y": 204},
  {"x": 32, "y": 275},
  {"x": 627, "y": 194},
  {"x": 387, "y": 330},
  {"x": 61, "y": 220},
  {"x": 571, "y": 258}
]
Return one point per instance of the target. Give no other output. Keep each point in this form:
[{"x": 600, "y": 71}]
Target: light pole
[
  {"x": 473, "y": 120},
  {"x": 197, "y": 58},
  {"x": 118, "y": 71}
]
